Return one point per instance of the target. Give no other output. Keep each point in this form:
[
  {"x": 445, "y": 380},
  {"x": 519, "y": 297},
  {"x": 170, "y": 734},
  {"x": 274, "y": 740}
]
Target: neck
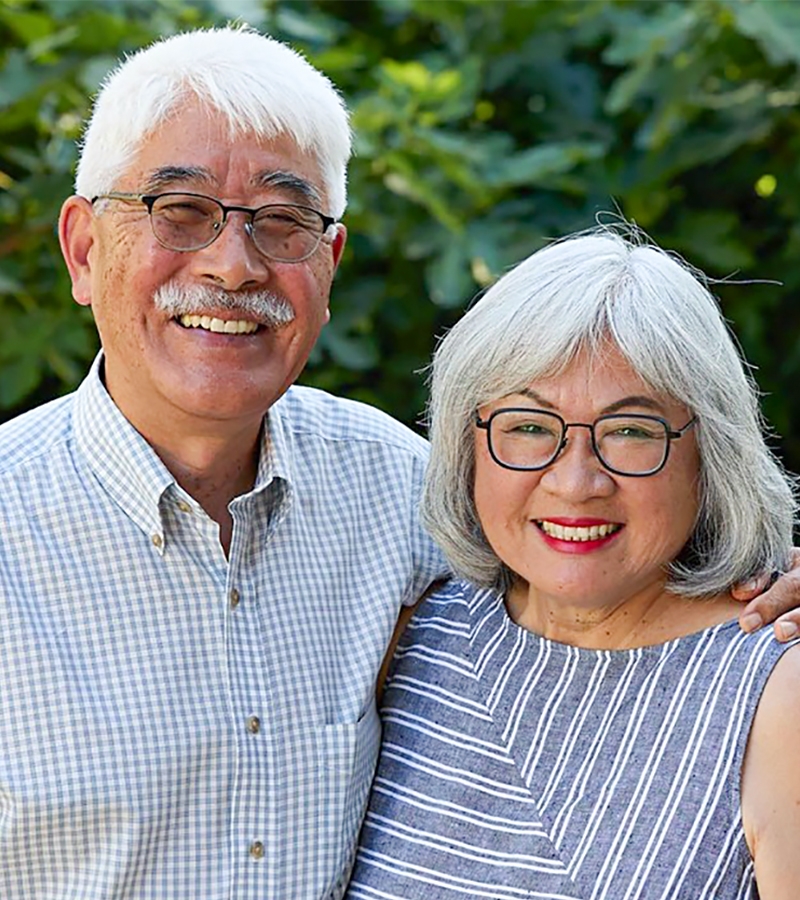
[
  {"x": 652, "y": 616},
  {"x": 213, "y": 459},
  {"x": 214, "y": 472}
]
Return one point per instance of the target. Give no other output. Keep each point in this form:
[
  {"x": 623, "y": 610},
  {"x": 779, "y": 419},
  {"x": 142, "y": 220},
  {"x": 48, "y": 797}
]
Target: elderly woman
[{"x": 581, "y": 716}]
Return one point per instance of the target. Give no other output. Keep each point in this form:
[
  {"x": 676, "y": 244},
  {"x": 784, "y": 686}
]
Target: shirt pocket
[
  {"x": 348, "y": 754},
  {"x": 333, "y": 767}
]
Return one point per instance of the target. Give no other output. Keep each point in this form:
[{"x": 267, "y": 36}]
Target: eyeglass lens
[
  {"x": 186, "y": 222},
  {"x": 531, "y": 439}
]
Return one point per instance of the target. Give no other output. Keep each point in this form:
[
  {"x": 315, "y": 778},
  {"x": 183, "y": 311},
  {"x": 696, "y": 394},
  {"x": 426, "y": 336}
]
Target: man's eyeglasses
[
  {"x": 283, "y": 232},
  {"x": 532, "y": 439}
]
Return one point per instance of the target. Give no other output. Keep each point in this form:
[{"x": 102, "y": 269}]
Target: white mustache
[{"x": 268, "y": 309}]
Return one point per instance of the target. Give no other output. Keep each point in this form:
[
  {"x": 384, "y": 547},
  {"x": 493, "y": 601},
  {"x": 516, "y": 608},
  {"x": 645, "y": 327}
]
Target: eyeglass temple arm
[{"x": 682, "y": 431}]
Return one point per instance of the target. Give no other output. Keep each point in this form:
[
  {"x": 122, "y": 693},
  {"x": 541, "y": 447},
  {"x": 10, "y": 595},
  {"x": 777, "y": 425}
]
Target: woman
[{"x": 581, "y": 717}]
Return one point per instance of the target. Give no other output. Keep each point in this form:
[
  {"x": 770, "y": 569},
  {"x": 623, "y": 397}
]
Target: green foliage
[{"x": 484, "y": 128}]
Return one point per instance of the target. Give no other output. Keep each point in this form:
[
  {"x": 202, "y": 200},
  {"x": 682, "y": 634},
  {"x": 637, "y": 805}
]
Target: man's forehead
[{"x": 166, "y": 158}]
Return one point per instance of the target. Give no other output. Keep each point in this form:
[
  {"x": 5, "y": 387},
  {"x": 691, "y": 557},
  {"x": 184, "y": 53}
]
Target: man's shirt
[{"x": 174, "y": 724}]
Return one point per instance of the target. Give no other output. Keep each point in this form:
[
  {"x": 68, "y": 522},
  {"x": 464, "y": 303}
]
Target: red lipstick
[{"x": 573, "y": 541}]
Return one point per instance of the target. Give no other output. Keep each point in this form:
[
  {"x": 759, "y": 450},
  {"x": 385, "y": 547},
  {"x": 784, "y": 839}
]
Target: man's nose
[{"x": 232, "y": 261}]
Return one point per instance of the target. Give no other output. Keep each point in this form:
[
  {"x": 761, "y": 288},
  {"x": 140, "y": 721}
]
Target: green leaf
[
  {"x": 774, "y": 24},
  {"x": 448, "y": 275},
  {"x": 539, "y": 165}
]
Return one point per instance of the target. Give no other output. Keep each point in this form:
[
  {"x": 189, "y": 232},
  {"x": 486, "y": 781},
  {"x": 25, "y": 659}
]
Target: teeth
[
  {"x": 577, "y": 533},
  {"x": 219, "y": 326}
]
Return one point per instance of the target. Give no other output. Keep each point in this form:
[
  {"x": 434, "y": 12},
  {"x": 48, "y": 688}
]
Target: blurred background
[{"x": 483, "y": 129}]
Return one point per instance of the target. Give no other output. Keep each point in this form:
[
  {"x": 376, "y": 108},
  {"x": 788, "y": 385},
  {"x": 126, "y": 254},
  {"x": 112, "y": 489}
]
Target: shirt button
[
  {"x": 157, "y": 540},
  {"x": 253, "y": 724},
  {"x": 184, "y": 507},
  {"x": 256, "y": 850},
  {"x": 234, "y": 598}
]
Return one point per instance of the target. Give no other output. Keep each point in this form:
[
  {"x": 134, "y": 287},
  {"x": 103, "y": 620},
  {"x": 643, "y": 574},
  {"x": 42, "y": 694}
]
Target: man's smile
[{"x": 219, "y": 326}]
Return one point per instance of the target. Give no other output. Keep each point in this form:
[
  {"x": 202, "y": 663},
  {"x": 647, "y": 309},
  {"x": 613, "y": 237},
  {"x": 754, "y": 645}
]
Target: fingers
[
  {"x": 746, "y": 590},
  {"x": 780, "y": 604}
]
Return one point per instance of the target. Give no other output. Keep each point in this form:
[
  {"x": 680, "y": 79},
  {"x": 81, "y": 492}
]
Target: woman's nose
[{"x": 577, "y": 473}]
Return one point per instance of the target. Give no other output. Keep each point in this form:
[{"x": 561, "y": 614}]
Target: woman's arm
[{"x": 771, "y": 783}]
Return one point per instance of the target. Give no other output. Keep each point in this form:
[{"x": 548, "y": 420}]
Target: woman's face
[{"x": 641, "y": 524}]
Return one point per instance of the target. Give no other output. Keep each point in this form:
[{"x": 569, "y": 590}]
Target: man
[
  {"x": 195, "y": 598},
  {"x": 201, "y": 565}
]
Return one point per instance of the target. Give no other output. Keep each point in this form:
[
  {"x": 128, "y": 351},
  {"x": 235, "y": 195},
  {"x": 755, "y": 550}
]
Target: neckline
[{"x": 492, "y": 606}]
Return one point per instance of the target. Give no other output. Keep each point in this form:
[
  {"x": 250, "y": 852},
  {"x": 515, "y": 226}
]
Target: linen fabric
[
  {"x": 175, "y": 724},
  {"x": 516, "y": 767}
]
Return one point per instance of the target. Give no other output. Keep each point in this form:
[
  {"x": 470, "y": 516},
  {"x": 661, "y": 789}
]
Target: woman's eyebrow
[
  {"x": 537, "y": 398},
  {"x": 636, "y": 400},
  {"x": 639, "y": 400}
]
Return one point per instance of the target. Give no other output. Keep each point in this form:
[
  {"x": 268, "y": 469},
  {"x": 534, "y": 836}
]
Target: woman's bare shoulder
[{"x": 771, "y": 782}]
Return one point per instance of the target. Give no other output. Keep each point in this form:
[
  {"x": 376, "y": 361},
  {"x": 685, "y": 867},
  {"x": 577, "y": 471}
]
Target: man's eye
[
  {"x": 184, "y": 211},
  {"x": 286, "y": 219}
]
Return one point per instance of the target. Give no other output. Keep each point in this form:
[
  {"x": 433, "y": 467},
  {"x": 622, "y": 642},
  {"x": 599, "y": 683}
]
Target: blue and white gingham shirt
[{"x": 175, "y": 725}]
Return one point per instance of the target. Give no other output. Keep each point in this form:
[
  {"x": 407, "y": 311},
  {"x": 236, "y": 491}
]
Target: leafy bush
[{"x": 483, "y": 129}]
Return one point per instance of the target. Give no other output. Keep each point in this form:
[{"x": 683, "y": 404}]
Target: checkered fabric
[{"x": 174, "y": 724}]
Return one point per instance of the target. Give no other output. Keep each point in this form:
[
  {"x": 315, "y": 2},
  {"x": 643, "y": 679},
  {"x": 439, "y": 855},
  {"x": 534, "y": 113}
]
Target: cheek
[
  {"x": 666, "y": 518},
  {"x": 502, "y": 497}
]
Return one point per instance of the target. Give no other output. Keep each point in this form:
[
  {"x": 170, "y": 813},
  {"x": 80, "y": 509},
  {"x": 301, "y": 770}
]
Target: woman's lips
[{"x": 577, "y": 535}]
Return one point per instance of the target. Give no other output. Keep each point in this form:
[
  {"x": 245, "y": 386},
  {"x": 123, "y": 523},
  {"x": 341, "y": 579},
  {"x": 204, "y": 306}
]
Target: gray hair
[
  {"x": 575, "y": 296},
  {"x": 260, "y": 85}
]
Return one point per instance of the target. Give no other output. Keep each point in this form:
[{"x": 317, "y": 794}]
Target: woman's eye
[
  {"x": 530, "y": 428},
  {"x": 633, "y": 432}
]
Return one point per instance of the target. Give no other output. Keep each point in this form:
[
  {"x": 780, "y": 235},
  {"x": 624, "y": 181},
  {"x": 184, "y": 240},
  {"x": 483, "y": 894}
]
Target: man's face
[{"x": 157, "y": 369}]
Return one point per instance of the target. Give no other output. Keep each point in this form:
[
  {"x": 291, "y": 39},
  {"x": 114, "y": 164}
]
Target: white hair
[
  {"x": 260, "y": 85},
  {"x": 575, "y": 296}
]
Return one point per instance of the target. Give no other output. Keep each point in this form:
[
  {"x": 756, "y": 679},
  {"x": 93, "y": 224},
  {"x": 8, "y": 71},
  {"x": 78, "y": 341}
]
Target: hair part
[
  {"x": 577, "y": 295},
  {"x": 258, "y": 84}
]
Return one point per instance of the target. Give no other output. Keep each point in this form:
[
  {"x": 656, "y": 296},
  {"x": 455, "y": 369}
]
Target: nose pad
[
  {"x": 577, "y": 473},
  {"x": 231, "y": 226},
  {"x": 232, "y": 260}
]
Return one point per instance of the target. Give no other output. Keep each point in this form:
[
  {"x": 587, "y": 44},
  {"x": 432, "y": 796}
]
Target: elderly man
[
  {"x": 201, "y": 566},
  {"x": 195, "y": 598}
]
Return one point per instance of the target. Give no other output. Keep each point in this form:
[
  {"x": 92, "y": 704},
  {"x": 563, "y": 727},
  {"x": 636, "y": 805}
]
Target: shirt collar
[
  {"x": 127, "y": 467},
  {"x": 132, "y": 473}
]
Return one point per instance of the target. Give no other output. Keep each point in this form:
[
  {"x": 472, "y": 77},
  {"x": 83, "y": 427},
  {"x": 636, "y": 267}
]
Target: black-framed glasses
[
  {"x": 532, "y": 439},
  {"x": 283, "y": 232}
]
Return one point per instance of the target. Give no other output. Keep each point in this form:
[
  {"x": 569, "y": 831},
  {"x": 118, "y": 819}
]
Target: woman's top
[{"x": 517, "y": 767}]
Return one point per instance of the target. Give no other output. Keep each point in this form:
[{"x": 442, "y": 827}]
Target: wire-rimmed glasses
[
  {"x": 284, "y": 232},
  {"x": 532, "y": 439}
]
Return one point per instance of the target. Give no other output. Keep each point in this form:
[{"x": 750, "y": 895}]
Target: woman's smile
[{"x": 577, "y": 535}]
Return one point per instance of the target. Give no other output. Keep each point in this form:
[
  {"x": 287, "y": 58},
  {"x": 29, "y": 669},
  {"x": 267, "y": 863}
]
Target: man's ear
[
  {"x": 337, "y": 244},
  {"x": 76, "y": 236}
]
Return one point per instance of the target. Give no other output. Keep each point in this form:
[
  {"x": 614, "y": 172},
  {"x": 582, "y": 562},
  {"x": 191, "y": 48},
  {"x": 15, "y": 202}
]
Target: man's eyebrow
[
  {"x": 170, "y": 176},
  {"x": 302, "y": 189}
]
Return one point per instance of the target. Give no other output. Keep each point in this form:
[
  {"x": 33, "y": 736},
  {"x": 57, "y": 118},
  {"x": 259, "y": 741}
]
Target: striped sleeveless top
[{"x": 516, "y": 767}]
